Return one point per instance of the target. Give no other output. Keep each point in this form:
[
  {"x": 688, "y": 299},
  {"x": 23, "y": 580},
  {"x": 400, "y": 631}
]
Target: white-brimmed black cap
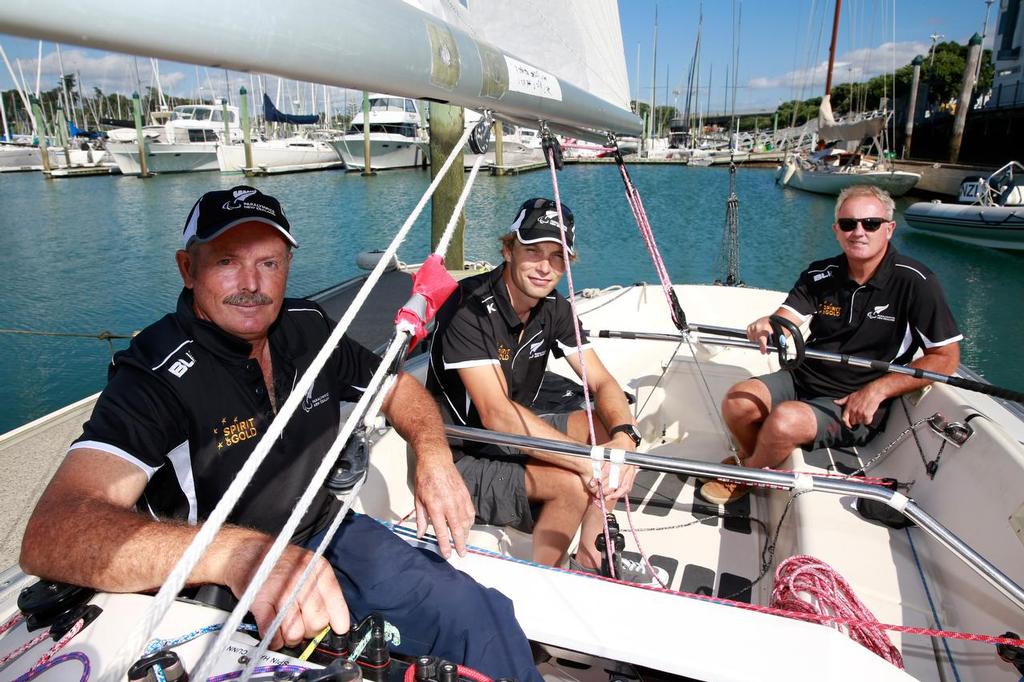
[
  {"x": 537, "y": 221},
  {"x": 217, "y": 212}
]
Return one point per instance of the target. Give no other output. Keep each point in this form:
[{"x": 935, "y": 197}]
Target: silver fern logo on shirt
[
  {"x": 309, "y": 402},
  {"x": 876, "y": 314}
]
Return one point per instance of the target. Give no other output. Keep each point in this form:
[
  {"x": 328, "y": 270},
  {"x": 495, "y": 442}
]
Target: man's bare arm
[
  {"x": 83, "y": 531},
  {"x": 859, "y": 407},
  {"x": 489, "y": 392},
  {"x": 441, "y": 494}
]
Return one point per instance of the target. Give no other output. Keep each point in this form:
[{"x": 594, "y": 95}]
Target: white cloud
[{"x": 856, "y": 66}]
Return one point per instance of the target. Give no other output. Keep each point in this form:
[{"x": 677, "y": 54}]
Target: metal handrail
[{"x": 789, "y": 481}]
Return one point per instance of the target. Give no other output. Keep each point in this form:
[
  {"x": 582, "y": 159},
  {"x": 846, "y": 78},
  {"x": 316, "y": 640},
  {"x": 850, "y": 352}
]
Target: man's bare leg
[
  {"x": 593, "y": 521},
  {"x": 564, "y": 501},
  {"x": 788, "y": 426},
  {"x": 744, "y": 409}
]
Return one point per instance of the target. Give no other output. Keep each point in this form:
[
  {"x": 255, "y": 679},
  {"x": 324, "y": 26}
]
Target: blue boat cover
[{"x": 272, "y": 115}]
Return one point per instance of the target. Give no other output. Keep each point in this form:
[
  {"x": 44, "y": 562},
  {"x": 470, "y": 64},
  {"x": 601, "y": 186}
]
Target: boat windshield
[
  {"x": 403, "y": 129},
  {"x": 392, "y": 104},
  {"x": 182, "y": 113}
]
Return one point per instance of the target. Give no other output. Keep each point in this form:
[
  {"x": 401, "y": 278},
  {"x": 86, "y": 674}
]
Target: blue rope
[
  {"x": 163, "y": 644},
  {"x": 931, "y": 605}
]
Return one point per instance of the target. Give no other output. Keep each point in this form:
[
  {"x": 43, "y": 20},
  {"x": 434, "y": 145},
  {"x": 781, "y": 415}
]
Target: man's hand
[
  {"x": 319, "y": 603},
  {"x": 443, "y": 500},
  {"x": 860, "y": 407},
  {"x": 760, "y": 332}
]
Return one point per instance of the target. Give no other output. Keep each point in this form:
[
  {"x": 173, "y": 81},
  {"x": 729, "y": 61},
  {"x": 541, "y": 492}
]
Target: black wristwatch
[{"x": 629, "y": 430}]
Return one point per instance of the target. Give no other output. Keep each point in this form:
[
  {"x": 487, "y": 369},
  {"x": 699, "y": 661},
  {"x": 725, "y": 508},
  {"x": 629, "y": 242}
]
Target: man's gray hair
[{"x": 867, "y": 191}]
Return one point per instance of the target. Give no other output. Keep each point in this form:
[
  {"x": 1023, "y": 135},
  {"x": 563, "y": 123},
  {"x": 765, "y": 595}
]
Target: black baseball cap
[
  {"x": 537, "y": 221},
  {"x": 217, "y": 212}
]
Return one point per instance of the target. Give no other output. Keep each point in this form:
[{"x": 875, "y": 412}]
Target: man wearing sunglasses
[
  {"x": 488, "y": 357},
  {"x": 871, "y": 301}
]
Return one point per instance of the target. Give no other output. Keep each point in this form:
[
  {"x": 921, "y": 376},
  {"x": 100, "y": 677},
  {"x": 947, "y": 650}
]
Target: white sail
[
  {"x": 579, "y": 41},
  {"x": 828, "y": 129}
]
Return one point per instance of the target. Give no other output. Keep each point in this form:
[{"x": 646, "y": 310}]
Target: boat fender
[
  {"x": 42, "y": 602},
  {"x": 1013, "y": 655},
  {"x": 144, "y": 669},
  {"x": 367, "y": 260}
]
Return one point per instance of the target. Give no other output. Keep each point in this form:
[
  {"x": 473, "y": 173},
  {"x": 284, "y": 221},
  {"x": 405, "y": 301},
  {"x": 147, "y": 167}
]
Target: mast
[
  {"x": 832, "y": 48},
  {"x": 654, "y": 77}
]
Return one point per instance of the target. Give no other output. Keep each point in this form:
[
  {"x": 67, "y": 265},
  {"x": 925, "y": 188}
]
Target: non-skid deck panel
[{"x": 706, "y": 549}]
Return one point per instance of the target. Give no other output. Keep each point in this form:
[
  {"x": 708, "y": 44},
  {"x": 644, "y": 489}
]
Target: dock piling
[{"x": 446, "y": 125}]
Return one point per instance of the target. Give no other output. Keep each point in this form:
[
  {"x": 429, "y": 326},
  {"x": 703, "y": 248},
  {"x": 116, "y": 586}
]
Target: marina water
[{"x": 94, "y": 254}]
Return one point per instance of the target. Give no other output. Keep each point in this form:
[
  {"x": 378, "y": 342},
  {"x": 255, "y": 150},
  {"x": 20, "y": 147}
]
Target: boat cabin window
[
  {"x": 182, "y": 113},
  {"x": 391, "y": 104},
  {"x": 201, "y": 135},
  {"x": 202, "y": 114},
  {"x": 403, "y": 129},
  {"x": 410, "y": 106}
]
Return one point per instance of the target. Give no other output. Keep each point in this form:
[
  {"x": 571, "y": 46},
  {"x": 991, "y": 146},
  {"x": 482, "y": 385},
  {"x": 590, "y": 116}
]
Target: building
[{"x": 1008, "y": 85}]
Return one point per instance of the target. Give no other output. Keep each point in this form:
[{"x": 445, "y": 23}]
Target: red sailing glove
[{"x": 431, "y": 287}]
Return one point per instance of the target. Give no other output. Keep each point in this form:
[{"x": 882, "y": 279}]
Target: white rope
[
  {"x": 449, "y": 230},
  {"x": 204, "y": 668},
  {"x": 133, "y": 645},
  {"x": 275, "y": 625}
]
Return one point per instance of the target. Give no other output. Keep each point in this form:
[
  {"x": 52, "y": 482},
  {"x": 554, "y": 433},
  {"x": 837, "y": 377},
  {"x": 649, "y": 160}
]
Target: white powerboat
[
  {"x": 990, "y": 212},
  {"x": 396, "y": 140},
  {"x": 186, "y": 142},
  {"x": 289, "y": 154}
]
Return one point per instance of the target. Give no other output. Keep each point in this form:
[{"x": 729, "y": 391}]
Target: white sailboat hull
[
  {"x": 280, "y": 155},
  {"x": 22, "y": 157},
  {"x": 164, "y": 157},
  {"x": 828, "y": 181},
  {"x": 387, "y": 151},
  {"x": 1001, "y": 227}
]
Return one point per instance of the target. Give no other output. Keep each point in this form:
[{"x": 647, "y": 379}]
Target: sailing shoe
[
  {"x": 630, "y": 571},
  {"x": 722, "y": 492}
]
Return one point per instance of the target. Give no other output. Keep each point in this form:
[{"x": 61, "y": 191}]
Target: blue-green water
[{"x": 93, "y": 254}]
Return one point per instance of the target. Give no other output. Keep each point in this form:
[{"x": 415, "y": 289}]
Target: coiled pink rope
[{"x": 804, "y": 584}]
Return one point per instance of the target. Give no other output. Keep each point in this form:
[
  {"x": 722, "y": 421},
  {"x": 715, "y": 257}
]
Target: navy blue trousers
[{"x": 437, "y": 609}]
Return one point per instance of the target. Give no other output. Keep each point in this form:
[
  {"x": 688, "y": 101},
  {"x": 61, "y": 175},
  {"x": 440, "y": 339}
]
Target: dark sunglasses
[{"x": 870, "y": 224}]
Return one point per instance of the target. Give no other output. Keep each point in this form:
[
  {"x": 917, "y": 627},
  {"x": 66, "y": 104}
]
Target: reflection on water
[{"x": 96, "y": 253}]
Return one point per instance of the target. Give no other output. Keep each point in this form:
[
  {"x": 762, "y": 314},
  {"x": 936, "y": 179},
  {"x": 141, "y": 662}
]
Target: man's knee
[
  {"x": 746, "y": 402},
  {"x": 792, "y": 421},
  {"x": 545, "y": 482}
]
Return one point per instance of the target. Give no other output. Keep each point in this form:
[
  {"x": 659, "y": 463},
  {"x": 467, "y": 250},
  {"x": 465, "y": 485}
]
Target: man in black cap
[
  {"x": 185, "y": 406},
  {"x": 487, "y": 362}
]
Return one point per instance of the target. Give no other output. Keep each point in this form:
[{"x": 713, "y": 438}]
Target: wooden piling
[
  {"x": 912, "y": 108},
  {"x": 446, "y": 125},
  {"x": 367, "y": 168},
  {"x": 37, "y": 113},
  {"x": 246, "y": 125},
  {"x": 140, "y": 138},
  {"x": 964, "y": 103}
]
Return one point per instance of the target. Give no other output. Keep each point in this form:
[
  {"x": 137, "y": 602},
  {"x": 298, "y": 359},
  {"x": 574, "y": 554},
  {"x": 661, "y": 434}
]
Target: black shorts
[
  {"x": 832, "y": 433},
  {"x": 496, "y": 478}
]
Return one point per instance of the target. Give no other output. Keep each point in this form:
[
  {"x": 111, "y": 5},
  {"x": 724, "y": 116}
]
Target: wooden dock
[
  {"x": 80, "y": 171},
  {"x": 941, "y": 179}
]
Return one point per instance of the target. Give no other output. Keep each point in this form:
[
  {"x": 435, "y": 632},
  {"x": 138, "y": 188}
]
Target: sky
[{"x": 783, "y": 51}]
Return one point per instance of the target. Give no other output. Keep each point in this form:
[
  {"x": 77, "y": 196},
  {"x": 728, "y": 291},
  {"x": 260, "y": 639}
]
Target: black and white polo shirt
[
  {"x": 187, "y": 405},
  {"x": 890, "y": 317},
  {"x": 478, "y": 326}
]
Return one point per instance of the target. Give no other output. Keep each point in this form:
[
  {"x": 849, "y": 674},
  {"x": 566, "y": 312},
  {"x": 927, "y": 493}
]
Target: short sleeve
[
  {"x": 565, "y": 339},
  {"x": 356, "y": 366},
  {"x": 800, "y": 300},
  {"x": 136, "y": 418},
  {"x": 931, "y": 317},
  {"x": 467, "y": 340}
]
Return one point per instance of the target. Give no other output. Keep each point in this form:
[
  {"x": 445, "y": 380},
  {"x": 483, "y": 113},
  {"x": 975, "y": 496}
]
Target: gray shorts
[
  {"x": 496, "y": 478},
  {"x": 832, "y": 433}
]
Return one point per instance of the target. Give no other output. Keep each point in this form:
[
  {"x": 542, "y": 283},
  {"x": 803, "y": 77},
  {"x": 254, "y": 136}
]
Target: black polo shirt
[
  {"x": 900, "y": 310},
  {"x": 477, "y": 326},
  {"x": 187, "y": 405}
]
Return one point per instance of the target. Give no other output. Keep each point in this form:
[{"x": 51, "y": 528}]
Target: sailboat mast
[
  {"x": 654, "y": 77},
  {"x": 832, "y": 48}
]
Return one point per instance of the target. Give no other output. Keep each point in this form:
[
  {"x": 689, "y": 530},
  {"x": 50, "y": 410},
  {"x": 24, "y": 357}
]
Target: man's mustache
[{"x": 248, "y": 299}]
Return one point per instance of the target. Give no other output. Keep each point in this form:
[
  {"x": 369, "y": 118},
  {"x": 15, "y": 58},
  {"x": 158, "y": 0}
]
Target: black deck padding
[
  {"x": 698, "y": 580},
  {"x": 375, "y": 321},
  {"x": 740, "y": 507},
  {"x": 707, "y": 513},
  {"x": 734, "y": 587},
  {"x": 669, "y": 564}
]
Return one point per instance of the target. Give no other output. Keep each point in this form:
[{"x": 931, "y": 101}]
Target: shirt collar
[
  {"x": 501, "y": 299},
  {"x": 882, "y": 275},
  {"x": 212, "y": 337}
]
